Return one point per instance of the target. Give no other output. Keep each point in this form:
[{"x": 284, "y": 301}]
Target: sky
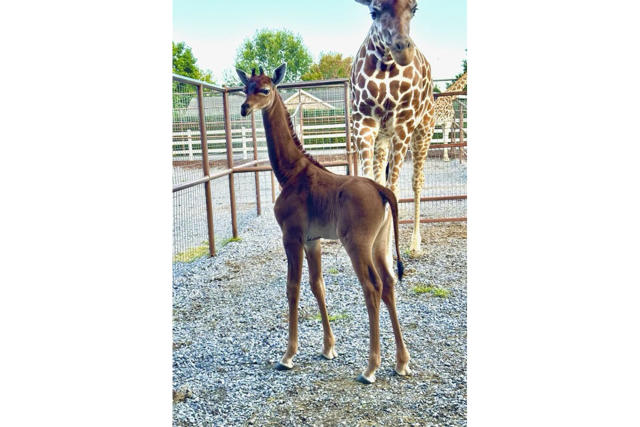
[{"x": 214, "y": 29}]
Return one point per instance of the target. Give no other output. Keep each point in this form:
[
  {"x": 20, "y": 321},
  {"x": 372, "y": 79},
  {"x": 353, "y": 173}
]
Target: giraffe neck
[
  {"x": 286, "y": 154},
  {"x": 459, "y": 84},
  {"x": 375, "y": 50}
]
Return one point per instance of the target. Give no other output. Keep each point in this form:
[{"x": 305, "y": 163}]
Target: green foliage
[
  {"x": 269, "y": 49},
  {"x": 192, "y": 254},
  {"x": 330, "y": 66},
  {"x": 464, "y": 70},
  {"x": 225, "y": 242},
  {"x": 184, "y": 63},
  {"x": 332, "y": 271},
  {"x": 435, "y": 291},
  {"x": 230, "y": 78},
  {"x": 332, "y": 318}
]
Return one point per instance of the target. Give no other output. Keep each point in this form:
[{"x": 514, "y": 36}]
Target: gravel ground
[
  {"x": 190, "y": 228},
  {"x": 230, "y": 328}
]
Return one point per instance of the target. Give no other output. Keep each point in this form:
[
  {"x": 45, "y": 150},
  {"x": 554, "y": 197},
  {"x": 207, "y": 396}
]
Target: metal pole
[
  {"x": 232, "y": 191},
  {"x": 347, "y": 125},
  {"x": 461, "y": 130},
  {"x": 301, "y": 136},
  {"x": 255, "y": 157},
  {"x": 205, "y": 167}
]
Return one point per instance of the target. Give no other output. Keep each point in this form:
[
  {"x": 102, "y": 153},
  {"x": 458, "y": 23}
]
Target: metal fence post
[
  {"x": 255, "y": 157},
  {"x": 347, "y": 124},
  {"x": 301, "y": 136},
  {"x": 204, "y": 148},
  {"x": 227, "y": 131},
  {"x": 461, "y": 130}
]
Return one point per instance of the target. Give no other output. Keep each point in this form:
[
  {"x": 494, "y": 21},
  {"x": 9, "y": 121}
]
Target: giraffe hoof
[
  {"x": 282, "y": 367},
  {"x": 330, "y": 355},
  {"x": 403, "y": 372},
  {"x": 415, "y": 253},
  {"x": 366, "y": 380}
]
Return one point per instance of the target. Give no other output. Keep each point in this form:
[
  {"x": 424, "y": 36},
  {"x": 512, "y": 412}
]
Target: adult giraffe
[
  {"x": 392, "y": 97},
  {"x": 444, "y": 110}
]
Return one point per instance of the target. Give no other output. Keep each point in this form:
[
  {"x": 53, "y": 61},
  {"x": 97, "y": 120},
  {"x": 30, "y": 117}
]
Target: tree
[
  {"x": 230, "y": 78},
  {"x": 464, "y": 70},
  {"x": 269, "y": 49},
  {"x": 184, "y": 63},
  {"x": 330, "y": 66}
]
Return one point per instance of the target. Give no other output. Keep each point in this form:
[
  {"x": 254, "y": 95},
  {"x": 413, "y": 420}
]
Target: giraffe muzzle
[
  {"x": 245, "y": 109},
  {"x": 402, "y": 50}
]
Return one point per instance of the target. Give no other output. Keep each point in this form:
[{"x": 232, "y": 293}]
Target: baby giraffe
[{"x": 315, "y": 203}]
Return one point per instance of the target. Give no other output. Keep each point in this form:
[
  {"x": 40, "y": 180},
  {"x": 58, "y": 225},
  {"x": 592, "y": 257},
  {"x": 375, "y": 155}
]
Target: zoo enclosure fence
[{"x": 205, "y": 115}]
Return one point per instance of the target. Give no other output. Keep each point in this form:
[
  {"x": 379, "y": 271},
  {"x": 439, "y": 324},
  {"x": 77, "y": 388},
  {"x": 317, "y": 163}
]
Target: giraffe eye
[
  {"x": 375, "y": 14},
  {"x": 414, "y": 10}
]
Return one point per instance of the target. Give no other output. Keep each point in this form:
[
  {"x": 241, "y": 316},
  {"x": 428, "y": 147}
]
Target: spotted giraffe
[
  {"x": 444, "y": 110},
  {"x": 392, "y": 97}
]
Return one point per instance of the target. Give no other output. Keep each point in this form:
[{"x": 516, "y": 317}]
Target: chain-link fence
[{"x": 219, "y": 190}]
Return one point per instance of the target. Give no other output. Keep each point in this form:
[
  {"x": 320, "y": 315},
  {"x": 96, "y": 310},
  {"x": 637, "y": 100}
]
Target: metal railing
[{"x": 250, "y": 153}]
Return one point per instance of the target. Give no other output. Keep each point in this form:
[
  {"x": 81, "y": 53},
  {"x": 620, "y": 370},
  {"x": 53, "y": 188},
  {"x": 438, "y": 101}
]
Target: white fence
[{"x": 242, "y": 141}]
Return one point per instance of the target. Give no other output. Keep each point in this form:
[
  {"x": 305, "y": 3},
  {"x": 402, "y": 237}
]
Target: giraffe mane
[{"x": 295, "y": 138}]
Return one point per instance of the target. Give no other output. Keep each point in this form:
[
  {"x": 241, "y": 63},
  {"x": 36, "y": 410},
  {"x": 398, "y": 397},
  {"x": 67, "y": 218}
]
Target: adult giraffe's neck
[
  {"x": 376, "y": 47},
  {"x": 284, "y": 152},
  {"x": 459, "y": 84}
]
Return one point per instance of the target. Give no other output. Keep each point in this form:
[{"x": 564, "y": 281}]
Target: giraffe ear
[
  {"x": 278, "y": 75},
  {"x": 365, "y": 2},
  {"x": 244, "y": 78}
]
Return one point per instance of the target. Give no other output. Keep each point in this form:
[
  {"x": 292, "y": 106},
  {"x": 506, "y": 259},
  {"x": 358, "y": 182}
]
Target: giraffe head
[
  {"x": 260, "y": 89},
  {"x": 391, "y": 22}
]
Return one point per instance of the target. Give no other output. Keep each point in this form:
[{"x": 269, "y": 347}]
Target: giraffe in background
[
  {"x": 392, "y": 97},
  {"x": 445, "y": 115}
]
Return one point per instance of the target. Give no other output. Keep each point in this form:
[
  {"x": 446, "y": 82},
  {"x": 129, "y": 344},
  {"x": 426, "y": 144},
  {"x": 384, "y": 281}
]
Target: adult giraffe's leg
[
  {"x": 398, "y": 147},
  {"x": 446, "y": 129},
  {"x": 365, "y": 131},
  {"x": 313, "y": 252},
  {"x": 381, "y": 158},
  {"x": 293, "y": 248},
  {"x": 419, "y": 149}
]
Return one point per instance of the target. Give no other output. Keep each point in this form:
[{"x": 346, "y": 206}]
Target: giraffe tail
[{"x": 388, "y": 196}]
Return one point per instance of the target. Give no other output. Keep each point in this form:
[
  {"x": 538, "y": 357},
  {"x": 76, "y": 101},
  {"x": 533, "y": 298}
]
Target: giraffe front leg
[
  {"x": 399, "y": 146},
  {"x": 420, "y": 147},
  {"x": 293, "y": 248},
  {"x": 446, "y": 129},
  {"x": 381, "y": 154},
  {"x": 313, "y": 252},
  {"x": 365, "y": 132}
]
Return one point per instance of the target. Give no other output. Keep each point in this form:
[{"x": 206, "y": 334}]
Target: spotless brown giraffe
[
  {"x": 392, "y": 96},
  {"x": 444, "y": 110},
  {"x": 315, "y": 203}
]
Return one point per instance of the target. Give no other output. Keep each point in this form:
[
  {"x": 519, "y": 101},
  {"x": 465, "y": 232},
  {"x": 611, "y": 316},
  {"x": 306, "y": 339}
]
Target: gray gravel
[{"x": 230, "y": 329}]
